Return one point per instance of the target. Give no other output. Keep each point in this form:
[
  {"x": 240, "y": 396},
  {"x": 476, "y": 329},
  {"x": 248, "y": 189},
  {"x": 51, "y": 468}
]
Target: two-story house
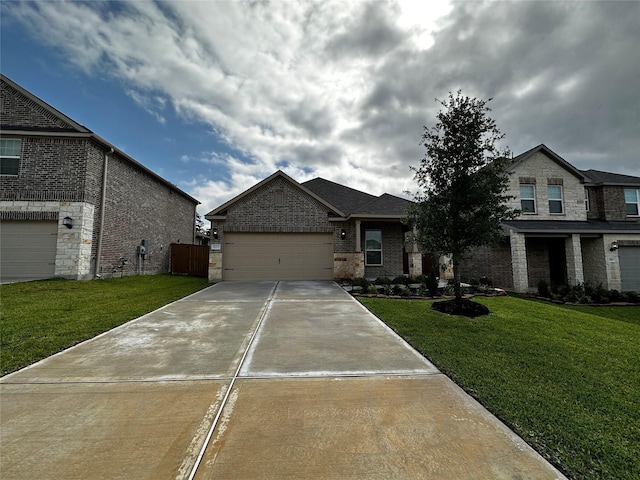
[
  {"x": 73, "y": 205},
  {"x": 574, "y": 227}
]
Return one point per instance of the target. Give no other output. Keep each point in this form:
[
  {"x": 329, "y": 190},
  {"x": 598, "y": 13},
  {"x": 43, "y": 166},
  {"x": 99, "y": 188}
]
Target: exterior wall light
[
  {"x": 214, "y": 233},
  {"x": 614, "y": 246},
  {"x": 343, "y": 234},
  {"x": 67, "y": 222}
]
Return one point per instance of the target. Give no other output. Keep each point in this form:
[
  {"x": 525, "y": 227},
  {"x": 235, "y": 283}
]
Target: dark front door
[{"x": 557, "y": 261}]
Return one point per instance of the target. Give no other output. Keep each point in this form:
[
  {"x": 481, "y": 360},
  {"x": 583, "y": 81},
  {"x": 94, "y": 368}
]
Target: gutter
[{"x": 103, "y": 200}]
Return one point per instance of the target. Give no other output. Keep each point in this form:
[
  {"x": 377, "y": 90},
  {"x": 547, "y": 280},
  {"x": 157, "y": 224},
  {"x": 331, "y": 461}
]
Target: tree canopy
[{"x": 462, "y": 182}]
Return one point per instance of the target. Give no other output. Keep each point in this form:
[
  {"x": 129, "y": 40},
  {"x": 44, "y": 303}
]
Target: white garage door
[
  {"x": 629, "y": 268},
  {"x": 27, "y": 249},
  {"x": 277, "y": 256}
]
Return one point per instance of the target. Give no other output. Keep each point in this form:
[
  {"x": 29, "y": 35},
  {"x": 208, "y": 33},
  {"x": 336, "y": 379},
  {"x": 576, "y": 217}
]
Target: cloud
[{"x": 342, "y": 89}]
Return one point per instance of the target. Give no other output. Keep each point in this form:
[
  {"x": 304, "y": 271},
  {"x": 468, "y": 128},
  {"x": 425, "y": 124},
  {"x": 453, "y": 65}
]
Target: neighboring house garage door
[
  {"x": 27, "y": 249},
  {"x": 630, "y": 268},
  {"x": 277, "y": 256}
]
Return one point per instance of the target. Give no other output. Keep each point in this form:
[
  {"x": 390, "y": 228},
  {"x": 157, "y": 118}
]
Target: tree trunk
[{"x": 457, "y": 290}]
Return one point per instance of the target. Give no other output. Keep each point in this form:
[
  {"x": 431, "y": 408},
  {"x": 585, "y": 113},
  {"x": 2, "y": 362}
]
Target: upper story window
[
  {"x": 528, "y": 198},
  {"x": 556, "y": 204},
  {"x": 10, "y": 156},
  {"x": 632, "y": 201},
  {"x": 586, "y": 199},
  {"x": 373, "y": 247}
]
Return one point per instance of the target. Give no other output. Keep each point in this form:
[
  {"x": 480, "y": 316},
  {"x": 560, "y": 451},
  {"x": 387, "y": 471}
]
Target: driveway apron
[{"x": 273, "y": 380}]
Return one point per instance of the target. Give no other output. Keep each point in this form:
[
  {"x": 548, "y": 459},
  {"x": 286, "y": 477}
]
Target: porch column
[
  {"x": 519, "y": 262},
  {"x": 415, "y": 257},
  {"x": 358, "y": 241},
  {"x": 573, "y": 252}
]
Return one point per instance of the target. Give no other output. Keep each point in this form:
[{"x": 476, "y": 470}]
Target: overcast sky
[{"x": 215, "y": 96}]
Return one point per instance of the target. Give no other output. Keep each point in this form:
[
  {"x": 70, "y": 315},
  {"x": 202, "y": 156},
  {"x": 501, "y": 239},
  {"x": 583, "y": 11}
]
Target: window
[
  {"x": 586, "y": 199},
  {"x": 10, "y": 155},
  {"x": 632, "y": 201},
  {"x": 528, "y": 198},
  {"x": 373, "y": 247},
  {"x": 555, "y": 199}
]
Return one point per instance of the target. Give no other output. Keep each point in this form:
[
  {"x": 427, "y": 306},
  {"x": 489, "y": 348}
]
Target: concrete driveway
[{"x": 243, "y": 380}]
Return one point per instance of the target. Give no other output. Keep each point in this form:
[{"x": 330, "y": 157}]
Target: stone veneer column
[
  {"x": 415, "y": 264},
  {"x": 73, "y": 250},
  {"x": 573, "y": 251},
  {"x": 519, "y": 262},
  {"x": 215, "y": 266}
]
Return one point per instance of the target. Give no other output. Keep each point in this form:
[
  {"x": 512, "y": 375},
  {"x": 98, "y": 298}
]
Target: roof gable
[
  {"x": 221, "y": 210},
  {"x": 523, "y": 157},
  {"x": 22, "y": 110}
]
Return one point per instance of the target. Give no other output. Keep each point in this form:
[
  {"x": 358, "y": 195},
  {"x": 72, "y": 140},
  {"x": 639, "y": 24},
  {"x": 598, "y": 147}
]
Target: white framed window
[
  {"x": 10, "y": 156},
  {"x": 373, "y": 247},
  {"x": 528, "y": 198},
  {"x": 632, "y": 201},
  {"x": 556, "y": 203},
  {"x": 586, "y": 199}
]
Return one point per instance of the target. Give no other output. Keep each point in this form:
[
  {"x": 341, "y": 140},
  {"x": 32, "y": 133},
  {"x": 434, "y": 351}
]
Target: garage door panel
[
  {"x": 629, "y": 268},
  {"x": 28, "y": 249},
  {"x": 278, "y": 256}
]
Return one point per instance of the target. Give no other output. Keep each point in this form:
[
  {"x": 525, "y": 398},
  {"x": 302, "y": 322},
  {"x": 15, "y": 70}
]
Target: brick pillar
[
  {"x": 519, "y": 262},
  {"x": 573, "y": 252}
]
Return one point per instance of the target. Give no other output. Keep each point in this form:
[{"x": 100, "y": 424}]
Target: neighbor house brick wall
[
  {"x": 278, "y": 206},
  {"x": 542, "y": 168},
  {"x": 139, "y": 207}
]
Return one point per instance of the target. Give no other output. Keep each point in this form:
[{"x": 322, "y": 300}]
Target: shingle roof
[
  {"x": 352, "y": 201},
  {"x": 598, "y": 177},
  {"x": 568, "y": 226}
]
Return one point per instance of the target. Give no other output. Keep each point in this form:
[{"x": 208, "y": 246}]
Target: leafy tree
[
  {"x": 200, "y": 228},
  {"x": 462, "y": 183}
]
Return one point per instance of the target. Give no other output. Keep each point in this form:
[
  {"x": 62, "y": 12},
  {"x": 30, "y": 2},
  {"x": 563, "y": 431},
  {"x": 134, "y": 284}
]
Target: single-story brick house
[
  {"x": 280, "y": 229},
  {"x": 72, "y": 205},
  {"x": 575, "y": 226}
]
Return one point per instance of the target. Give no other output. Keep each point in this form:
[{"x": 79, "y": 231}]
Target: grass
[
  {"x": 38, "y": 319},
  {"x": 566, "y": 379}
]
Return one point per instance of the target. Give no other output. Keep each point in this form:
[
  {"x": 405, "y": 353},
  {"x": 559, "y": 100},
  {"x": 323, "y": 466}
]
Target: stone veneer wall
[{"x": 542, "y": 168}]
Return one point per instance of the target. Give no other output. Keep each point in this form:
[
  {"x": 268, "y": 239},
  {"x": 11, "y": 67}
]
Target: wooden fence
[{"x": 189, "y": 259}]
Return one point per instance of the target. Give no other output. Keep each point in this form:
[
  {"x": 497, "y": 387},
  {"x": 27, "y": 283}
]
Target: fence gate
[{"x": 189, "y": 259}]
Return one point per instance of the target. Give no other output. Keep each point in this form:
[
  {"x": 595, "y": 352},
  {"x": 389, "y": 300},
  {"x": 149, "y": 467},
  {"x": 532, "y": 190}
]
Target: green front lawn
[
  {"x": 566, "y": 379},
  {"x": 38, "y": 319}
]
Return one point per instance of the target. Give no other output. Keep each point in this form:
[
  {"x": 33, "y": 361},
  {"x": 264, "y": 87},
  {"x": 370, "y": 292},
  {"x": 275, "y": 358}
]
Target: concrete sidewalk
[{"x": 251, "y": 380}]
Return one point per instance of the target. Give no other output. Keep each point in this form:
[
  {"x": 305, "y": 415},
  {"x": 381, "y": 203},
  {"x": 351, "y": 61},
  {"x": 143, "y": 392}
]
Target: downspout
[{"x": 103, "y": 200}]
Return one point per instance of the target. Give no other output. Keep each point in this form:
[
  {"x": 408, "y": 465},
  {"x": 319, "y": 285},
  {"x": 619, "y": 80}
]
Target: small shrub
[
  {"x": 372, "y": 289},
  {"x": 543, "y": 289},
  {"x": 616, "y": 296},
  {"x": 401, "y": 280},
  {"x": 632, "y": 297},
  {"x": 486, "y": 281},
  {"x": 361, "y": 282},
  {"x": 383, "y": 281},
  {"x": 421, "y": 279}
]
